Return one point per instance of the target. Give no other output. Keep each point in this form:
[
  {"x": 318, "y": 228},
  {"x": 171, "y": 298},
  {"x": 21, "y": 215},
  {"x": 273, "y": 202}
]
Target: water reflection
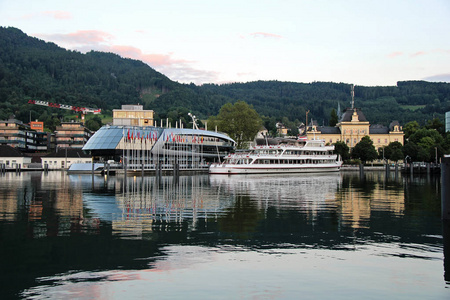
[{"x": 59, "y": 230}]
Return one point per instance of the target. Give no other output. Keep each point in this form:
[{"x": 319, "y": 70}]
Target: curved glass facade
[
  {"x": 118, "y": 142},
  {"x": 109, "y": 137}
]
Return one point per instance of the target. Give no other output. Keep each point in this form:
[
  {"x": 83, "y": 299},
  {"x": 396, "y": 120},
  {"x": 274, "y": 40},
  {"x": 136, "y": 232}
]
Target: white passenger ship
[{"x": 287, "y": 156}]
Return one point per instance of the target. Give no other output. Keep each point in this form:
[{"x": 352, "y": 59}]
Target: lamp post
[
  {"x": 194, "y": 121},
  {"x": 436, "y": 155}
]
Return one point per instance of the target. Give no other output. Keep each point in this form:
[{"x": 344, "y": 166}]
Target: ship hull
[{"x": 234, "y": 169}]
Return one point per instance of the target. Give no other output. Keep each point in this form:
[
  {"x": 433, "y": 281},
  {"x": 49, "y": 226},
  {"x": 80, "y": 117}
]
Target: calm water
[{"x": 218, "y": 237}]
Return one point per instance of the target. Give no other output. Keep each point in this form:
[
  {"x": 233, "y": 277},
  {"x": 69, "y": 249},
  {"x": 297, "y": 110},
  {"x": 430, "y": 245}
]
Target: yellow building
[
  {"x": 132, "y": 115},
  {"x": 353, "y": 127}
]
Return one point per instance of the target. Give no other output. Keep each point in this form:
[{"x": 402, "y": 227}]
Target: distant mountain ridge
[{"x": 34, "y": 69}]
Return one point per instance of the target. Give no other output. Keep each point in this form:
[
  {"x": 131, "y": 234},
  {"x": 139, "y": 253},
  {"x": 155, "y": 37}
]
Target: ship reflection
[{"x": 310, "y": 191}]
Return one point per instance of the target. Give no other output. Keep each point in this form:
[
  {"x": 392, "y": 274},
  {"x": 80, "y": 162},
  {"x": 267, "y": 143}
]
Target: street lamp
[
  {"x": 194, "y": 121},
  {"x": 436, "y": 155}
]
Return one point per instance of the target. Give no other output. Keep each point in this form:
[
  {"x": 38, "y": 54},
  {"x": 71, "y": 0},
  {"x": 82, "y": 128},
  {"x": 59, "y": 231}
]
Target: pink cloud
[
  {"x": 177, "y": 69},
  {"x": 395, "y": 54},
  {"x": 265, "y": 35},
  {"x": 57, "y": 14},
  {"x": 156, "y": 60},
  {"x": 80, "y": 37},
  {"x": 445, "y": 51},
  {"x": 419, "y": 53}
]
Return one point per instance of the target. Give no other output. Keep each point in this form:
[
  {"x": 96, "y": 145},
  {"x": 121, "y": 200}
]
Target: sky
[{"x": 369, "y": 43}]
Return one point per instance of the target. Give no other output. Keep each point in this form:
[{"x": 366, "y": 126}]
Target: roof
[
  {"x": 348, "y": 112},
  {"x": 8, "y": 151},
  {"x": 378, "y": 129},
  {"x": 329, "y": 130},
  {"x": 393, "y": 124},
  {"x": 68, "y": 152}
]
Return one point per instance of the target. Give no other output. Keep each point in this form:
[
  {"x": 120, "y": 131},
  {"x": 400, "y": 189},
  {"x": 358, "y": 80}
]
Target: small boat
[{"x": 285, "y": 156}]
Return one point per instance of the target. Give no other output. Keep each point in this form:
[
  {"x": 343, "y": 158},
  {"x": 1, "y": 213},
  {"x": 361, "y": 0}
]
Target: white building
[
  {"x": 12, "y": 158},
  {"x": 64, "y": 157}
]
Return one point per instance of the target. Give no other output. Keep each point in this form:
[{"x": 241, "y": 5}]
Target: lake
[{"x": 312, "y": 236}]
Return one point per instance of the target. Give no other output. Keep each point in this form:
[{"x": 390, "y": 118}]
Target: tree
[
  {"x": 435, "y": 124},
  {"x": 365, "y": 150},
  {"x": 333, "y": 118},
  {"x": 410, "y": 128},
  {"x": 342, "y": 150},
  {"x": 93, "y": 124},
  {"x": 394, "y": 151},
  {"x": 412, "y": 150},
  {"x": 240, "y": 121},
  {"x": 423, "y": 143}
]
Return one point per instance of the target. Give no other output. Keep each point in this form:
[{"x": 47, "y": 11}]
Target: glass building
[{"x": 137, "y": 146}]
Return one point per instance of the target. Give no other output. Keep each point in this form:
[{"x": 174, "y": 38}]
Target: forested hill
[{"x": 33, "y": 69}]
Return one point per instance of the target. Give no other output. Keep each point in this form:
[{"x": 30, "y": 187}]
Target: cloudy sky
[{"x": 205, "y": 41}]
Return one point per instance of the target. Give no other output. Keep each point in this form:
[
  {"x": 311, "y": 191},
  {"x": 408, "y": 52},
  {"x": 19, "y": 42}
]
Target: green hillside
[{"x": 34, "y": 69}]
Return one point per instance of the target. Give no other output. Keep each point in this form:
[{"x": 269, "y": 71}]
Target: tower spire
[{"x": 353, "y": 96}]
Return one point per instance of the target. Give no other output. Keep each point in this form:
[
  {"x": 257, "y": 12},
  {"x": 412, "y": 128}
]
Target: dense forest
[{"x": 34, "y": 69}]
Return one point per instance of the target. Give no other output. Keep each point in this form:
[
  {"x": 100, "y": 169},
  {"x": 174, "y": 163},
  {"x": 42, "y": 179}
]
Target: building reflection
[
  {"x": 167, "y": 203},
  {"x": 353, "y": 200},
  {"x": 363, "y": 197},
  {"x": 50, "y": 203},
  {"x": 56, "y": 204}
]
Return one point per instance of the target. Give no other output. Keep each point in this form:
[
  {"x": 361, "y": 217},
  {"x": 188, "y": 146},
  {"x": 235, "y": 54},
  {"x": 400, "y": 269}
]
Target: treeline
[{"x": 33, "y": 69}]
